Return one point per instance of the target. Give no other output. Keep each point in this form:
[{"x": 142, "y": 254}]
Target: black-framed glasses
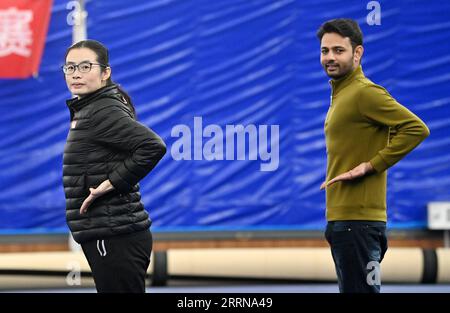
[{"x": 83, "y": 67}]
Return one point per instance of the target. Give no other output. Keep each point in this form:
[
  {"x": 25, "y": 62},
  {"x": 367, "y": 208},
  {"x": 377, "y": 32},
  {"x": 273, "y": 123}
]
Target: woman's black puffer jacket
[{"x": 105, "y": 142}]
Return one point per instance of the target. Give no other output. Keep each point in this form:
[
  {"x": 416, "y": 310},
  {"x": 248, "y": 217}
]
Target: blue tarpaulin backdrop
[{"x": 230, "y": 62}]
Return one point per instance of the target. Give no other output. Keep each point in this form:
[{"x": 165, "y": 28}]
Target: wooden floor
[{"x": 222, "y": 243}]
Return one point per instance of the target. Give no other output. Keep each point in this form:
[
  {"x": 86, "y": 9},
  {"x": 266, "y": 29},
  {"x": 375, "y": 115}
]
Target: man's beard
[{"x": 339, "y": 71}]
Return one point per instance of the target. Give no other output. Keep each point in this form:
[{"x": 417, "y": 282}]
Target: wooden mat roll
[{"x": 401, "y": 265}]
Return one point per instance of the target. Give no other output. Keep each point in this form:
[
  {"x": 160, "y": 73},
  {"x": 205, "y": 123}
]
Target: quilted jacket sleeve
[{"x": 112, "y": 124}]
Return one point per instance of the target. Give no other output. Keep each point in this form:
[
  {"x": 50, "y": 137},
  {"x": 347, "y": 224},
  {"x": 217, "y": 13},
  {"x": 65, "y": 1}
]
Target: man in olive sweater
[{"x": 367, "y": 131}]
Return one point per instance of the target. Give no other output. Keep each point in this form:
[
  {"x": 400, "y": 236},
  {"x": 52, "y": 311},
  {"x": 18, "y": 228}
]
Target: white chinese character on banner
[{"x": 15, "y": 33}]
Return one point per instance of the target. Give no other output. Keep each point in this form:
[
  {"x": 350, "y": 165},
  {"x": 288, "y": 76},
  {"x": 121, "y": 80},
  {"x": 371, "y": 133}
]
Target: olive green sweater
[{"x": 365, "y": 123}]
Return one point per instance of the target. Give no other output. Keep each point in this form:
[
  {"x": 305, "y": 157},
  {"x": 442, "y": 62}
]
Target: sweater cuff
[
  {"x": 379, "y": 164},
  {"x": 119, "y": 184}
]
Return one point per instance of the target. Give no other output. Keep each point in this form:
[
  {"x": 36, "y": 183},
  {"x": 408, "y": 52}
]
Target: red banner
[{"x": 23, "y": 28}]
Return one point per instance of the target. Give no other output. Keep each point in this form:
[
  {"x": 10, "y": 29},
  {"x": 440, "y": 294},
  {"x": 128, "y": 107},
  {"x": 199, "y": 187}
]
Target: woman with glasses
[{"x": 106, "y": 154}]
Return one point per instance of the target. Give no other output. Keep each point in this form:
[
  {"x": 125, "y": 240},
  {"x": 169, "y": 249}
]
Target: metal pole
[
  {"x": 79, "y": 27},
  {"x": 446, "y": 238},
  {"x": 79, "y": 32}
]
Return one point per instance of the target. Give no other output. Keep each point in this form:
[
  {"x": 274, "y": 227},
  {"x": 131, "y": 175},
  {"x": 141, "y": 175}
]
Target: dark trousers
[
  {"x": 357, "y": 247},
  {"x": 119, "y": 264}
]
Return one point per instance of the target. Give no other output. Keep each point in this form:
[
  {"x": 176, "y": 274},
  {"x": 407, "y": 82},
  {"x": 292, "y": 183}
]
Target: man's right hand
[{"x": 359, "y": 171}]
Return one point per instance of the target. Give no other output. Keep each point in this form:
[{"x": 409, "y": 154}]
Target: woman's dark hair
[
  {"x": 345, "y": 27},
  {"x": 103, "y": 58}
]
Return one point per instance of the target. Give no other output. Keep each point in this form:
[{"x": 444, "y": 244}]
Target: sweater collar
[
  {"x": 338, "y": 84},
  {"x": 76, "y": 104}
]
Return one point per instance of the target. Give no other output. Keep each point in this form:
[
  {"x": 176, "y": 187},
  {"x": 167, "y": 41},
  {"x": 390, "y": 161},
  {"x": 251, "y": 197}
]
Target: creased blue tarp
[{"x": 231, "y": 62}]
